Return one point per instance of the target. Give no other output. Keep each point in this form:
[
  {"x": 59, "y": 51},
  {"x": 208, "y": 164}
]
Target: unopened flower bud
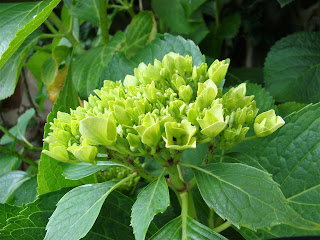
[
  {"x": 84, "y": 153},
  {"x": 206, "y": 93},
  {"x": 130, "y": 80},
  {"x": 58, "y": 152},
  {"x": 218, "y": 70},
  {"x": 185, "y": 93},
  {"x": 99, "y": 130},
  {"x": 266, "y": 123},
  {"x": 213, "y": 122}
]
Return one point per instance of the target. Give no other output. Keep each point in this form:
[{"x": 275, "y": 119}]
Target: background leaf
[
  {"x": 87, "y": 10},
  {"x": 174, "y": 16},
  {"x": 291, "y": 69},
  {"x": 284, "y": 2},
  {"x": 245, "y": 196},
  {"x": 289, "y": 107},
  {"x": 142, "y": 30},
  {"x": 239, "y": 75},
  {"x": 195, "y": 230},
  {"x": 9, "y": 182},
  {"x": 113, "y": 221},
  {"x": 19, "y": 129},
  {"x": 10, "y": 71},
  {"x": 36, "y": 62},
  {"x": 7, "y": 211},
  {"x": 7, "y": 163},
  {"x": 50, "y": 176},
  {"x": 291, "y": 155},
  {"x": 18, "y": 20},
  {"x": 77, "y": 211},
  {"x": 88, "y": 67},
  {"x": 80, "y": 170},
  {"x": 30, "y": 221},
  {"x": 120, "y": 66},
  {"x": 26, "y": 193},
  {"x": 153, "y": 199},
  {"x": 263, "y": 99}
]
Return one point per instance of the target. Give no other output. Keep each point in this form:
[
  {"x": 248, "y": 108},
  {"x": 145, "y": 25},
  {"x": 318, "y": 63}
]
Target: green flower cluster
[{"x": 165, "y": 107}]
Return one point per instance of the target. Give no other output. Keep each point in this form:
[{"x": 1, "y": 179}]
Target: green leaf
[
  {"x": 174, "y": 16},
  {"x": 291, "y": 155},
  {"x": 30, "y": 221},
  {"x": 284, "y": 2},
  {"x": 195, "y": 230},
  {"x": 49, "y": 71},
  {"x": 193, "y": 156},
  {"x": 36, "y": 62},
  {"x": 10, "y": 71},
  {"x": 87, "y": 10},
  {"x": 7, "y": 163},
  {"x": 77, "y": 211},
  {"x": 60, "y": 53},
  {"x": 81, "y": 170},
  {"x": 19, "y": 129},
  {"x": 191, "y": 5},
  {"x": 246, "y": 196},
  {"x": 113, "y": 221},
  {"x": 7, "y": 211},
  {"x": 289, "y": 107},
  {"x": 291, "y": 70},
  {"x": 18, "y": 20},
  {"x": 9, "y": 182},
  {"x": 142, "y": 30},
  {"x": 120, "y": 66},
  {"x": 153, "y": 199},
  {"x": 50, "y": 176},
  {"x": 26, "y": 193},
  {"x": 89, "y": 67},
  {"x": 229, "y": 26},
  {"x": 263, "y": 99}
]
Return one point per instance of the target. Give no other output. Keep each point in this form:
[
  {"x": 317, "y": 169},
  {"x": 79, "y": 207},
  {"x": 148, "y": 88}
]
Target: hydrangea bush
[{"x": 159, "y": 112}]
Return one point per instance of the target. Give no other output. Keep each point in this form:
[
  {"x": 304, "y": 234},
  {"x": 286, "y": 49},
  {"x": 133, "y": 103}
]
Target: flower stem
[
  {"x": 29, "y": 146},
  {"x": 57, "y": 22},
  {"x": 50, "y": 27},
  {"x": 18, "y": 155},
  {"x": 222, "y": 227},
  {"x": 184, "y": 213}
]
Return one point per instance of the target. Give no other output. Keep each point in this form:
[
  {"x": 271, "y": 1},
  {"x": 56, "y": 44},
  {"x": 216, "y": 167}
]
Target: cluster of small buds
[
  {"x": 165, "y": 107},
  {"x": 117, "y": 174}
]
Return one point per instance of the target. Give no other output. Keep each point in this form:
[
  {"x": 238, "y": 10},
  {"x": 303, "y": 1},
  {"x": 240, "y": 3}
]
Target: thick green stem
[
  {"x": 104, "y": 21},
  {"x": 184, "y": 213},
  {"x": 18, "y": 155},
  {"x": 222, "y": 227},
  {"x": 175, "y": 180},
  {"x": 182, "y": 188},
  {"x": 57, "y": 22},
  {"x": 29, "y": 146}
]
